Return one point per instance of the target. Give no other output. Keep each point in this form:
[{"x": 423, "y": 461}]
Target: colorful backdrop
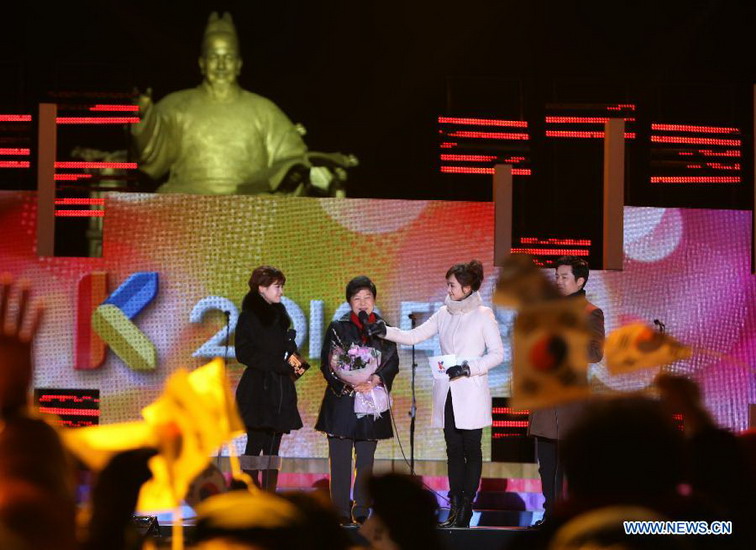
[{"x": 687, "y": 268}]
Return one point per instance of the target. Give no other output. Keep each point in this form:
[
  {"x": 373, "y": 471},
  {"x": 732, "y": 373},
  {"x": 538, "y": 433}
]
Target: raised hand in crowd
[{"x": 17, "y": 328}]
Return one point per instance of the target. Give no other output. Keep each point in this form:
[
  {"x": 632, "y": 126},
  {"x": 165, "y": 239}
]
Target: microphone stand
[
  {"x": 413, "y": 407},
  {"x": 228, "y": 332},
  {"x": 227, "y": 315}
]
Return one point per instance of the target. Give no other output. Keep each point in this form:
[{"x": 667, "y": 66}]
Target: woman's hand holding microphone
[
  {"x": 376, "y": 329},
  {"x": 379, "y": 329}
]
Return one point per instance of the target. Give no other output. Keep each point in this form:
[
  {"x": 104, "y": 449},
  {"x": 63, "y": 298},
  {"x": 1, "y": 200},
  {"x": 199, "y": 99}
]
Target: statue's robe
[{"x": 214, "y": 147}]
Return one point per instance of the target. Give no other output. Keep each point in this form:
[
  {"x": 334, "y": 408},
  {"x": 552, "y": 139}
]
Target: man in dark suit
[{"x": 550, "y": 425}]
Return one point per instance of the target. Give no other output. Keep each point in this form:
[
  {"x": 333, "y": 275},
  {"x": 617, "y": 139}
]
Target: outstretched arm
[
  {"x": 153, "y": 138},
  {"x": 411, "y": 337}
]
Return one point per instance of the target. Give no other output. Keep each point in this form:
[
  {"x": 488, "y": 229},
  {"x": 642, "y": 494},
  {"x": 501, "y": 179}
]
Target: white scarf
[{"x": 460, "y": 307}]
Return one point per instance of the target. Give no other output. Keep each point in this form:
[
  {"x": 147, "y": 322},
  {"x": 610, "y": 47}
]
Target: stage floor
[
  {"x": 480, "y": 538},
  {"x": 509, "y": 494}
]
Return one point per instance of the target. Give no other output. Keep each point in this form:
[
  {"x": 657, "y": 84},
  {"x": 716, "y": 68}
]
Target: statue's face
[{"x": 220, "y": 62}]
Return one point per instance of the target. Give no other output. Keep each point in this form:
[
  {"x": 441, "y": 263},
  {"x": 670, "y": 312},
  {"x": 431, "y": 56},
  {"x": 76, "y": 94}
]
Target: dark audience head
[
  {"x": 259, "y": 520},
  {"x": 10, "y": 540},
  {"x": 623, "y": 450},
  {"x": 14, "y": 390},
  {"x": 406, "y": 510},
  {"x": 31, "y": 451},
  {"x": 747, "y": 441},
  {"x": 33, "y": 518},
  {"x": 320, "y": 529},
  {"x": 603, "y": 528}
]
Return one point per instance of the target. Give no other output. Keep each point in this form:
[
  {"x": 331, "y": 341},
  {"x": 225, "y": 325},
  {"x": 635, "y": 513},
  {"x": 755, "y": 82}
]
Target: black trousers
[
  {"x": 550, "y": 469},
  {"x": 263, "y": 442},
  {"x": 340, "y": 460},
  {"x": 463, "y": 454}
]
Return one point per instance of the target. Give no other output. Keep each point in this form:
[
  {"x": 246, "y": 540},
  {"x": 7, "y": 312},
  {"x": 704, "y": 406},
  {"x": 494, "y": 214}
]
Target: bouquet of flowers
[{"x": 355, "y": 366}]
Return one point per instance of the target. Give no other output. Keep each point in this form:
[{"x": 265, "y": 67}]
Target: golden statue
[{"x": 220, "y": 139}]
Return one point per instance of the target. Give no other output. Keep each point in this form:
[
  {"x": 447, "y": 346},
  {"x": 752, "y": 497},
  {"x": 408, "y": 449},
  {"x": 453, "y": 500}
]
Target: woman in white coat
[{"x": 461, "y": 402}]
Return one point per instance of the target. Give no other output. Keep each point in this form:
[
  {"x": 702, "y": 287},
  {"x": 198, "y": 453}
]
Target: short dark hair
[
  {"x": 407, "y": 509},
  {"x": 357, "y": 284},
  {"x": 469, "y": 274},
  {"x": 620, "y": 447},
  {"x": 266, "y": 275},
  {"x": 579, "y": 267}
]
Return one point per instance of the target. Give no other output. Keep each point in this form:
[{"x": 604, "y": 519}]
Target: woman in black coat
[
  {"x": 337, "y": 417},
  {"x": 266, "y": 395}
]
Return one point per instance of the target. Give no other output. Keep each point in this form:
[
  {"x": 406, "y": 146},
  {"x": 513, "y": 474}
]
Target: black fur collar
[{"x": 267, "y": 313}]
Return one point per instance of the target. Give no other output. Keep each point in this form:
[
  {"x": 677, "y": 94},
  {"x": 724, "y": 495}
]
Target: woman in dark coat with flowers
[
  {"x": 346, "y": 431},
  {"x": 266, "y": 394}
]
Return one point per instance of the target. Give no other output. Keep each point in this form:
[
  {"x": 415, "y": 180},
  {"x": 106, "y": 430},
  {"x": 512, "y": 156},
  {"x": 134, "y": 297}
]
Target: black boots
[
  {"x": 451, "y": 520},
  {"x": 464, "y": 515},
  {"x": 460, "y": 512}
]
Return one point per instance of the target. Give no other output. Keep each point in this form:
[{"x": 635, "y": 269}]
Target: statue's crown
[{"x": 220, "y": 24}]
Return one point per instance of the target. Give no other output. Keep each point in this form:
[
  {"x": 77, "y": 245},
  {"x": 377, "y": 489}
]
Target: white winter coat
[{"x": 469, "y": 330}]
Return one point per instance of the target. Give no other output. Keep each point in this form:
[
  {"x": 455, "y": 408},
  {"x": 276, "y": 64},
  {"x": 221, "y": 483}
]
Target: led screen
[{"x": 688, "y": 268}]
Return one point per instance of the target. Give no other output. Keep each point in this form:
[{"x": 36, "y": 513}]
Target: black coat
[
  {"x": 555, "y": 422},
  {"x": 266, "y": 394},
  {"x": 337, "y": 415}
]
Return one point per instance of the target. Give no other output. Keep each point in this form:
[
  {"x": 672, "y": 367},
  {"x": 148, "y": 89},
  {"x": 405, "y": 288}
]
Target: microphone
[
  {"x": 364, "y": 320},
  {"x": 227, "y": 314},
  {"x": 414, "y": 317},
  {"x": 661, "y": 326}
]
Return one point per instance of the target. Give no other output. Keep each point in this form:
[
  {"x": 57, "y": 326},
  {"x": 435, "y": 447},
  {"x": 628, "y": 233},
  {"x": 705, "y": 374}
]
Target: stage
[
  {"x": 480, "y": 538},
  {"x": 509, "y": 494}
]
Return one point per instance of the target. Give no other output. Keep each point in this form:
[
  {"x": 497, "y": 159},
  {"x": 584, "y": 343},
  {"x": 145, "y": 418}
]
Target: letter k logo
[{"x": 107, "y": 321}]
